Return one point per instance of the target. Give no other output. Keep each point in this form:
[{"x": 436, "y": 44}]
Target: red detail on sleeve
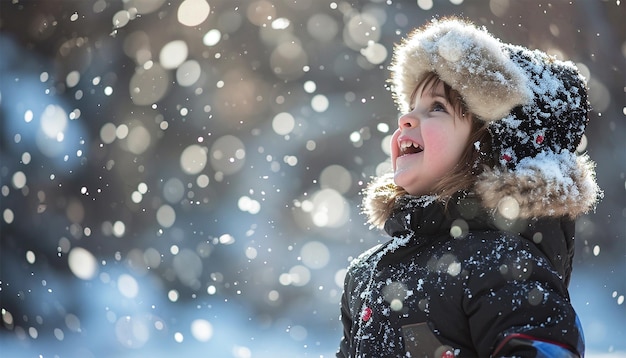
[
  {"x": 447, "y": 354},
  {"x": 539, "y": 139},
  {"x": 367, "y": 314}
]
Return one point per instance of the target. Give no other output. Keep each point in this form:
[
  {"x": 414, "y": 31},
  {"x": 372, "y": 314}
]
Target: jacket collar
[
  {"x": 428, "y": 215},
  {"x": 421, "y": 220}
]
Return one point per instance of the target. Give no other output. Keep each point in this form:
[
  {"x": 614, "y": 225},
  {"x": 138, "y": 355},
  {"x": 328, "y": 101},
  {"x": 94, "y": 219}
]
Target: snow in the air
[{"x": 185, "y": 178}]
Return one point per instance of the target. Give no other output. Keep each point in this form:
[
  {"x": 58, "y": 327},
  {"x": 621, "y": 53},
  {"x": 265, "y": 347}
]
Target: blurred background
[{"x": 182, "y": 177}]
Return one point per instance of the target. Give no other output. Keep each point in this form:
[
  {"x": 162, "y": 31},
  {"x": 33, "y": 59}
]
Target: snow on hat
[
  {"x": 536, "y": 107},
  {"x": 468, "y": 59}
]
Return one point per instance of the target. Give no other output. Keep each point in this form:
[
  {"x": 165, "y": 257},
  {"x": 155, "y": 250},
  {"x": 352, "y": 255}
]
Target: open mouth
[{"x": 409, "y": 147}]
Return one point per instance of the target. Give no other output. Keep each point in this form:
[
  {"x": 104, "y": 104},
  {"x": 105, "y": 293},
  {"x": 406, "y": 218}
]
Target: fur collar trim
[
  {"x": 549, "y": 185},
  {"x": 553, "y": 185}
]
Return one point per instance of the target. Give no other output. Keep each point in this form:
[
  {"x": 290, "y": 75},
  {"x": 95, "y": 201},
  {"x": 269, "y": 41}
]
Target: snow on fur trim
[
  {"x": 382, "y": 196},
  {"x": 546, "y": 185},
  {"x": 377, "y": 199},
  {"x": 467, "y": 58}
]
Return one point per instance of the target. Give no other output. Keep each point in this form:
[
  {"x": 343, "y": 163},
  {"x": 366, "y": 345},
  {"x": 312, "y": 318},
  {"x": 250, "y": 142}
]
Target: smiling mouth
[{"x": 409, "y": 147}]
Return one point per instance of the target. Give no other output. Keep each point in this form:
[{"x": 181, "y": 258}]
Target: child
[{"x": 480, "y": 206}]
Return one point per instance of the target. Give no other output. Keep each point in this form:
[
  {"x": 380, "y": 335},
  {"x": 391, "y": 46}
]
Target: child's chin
[
  {"x": 402, "y": 179},
  {"x": 412, "y": 184}
]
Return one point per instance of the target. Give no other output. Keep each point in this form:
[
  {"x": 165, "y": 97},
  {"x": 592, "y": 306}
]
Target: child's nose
[{"x": 407, "y": 120}]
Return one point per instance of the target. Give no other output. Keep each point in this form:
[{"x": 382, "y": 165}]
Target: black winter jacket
[{"x": 452, "y": 283}]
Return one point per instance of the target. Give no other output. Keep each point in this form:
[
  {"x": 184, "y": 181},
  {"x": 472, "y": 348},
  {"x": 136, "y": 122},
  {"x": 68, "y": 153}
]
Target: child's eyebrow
[
  {"x": 435, "y": 91},
  {"x": 438, "y": 94}
]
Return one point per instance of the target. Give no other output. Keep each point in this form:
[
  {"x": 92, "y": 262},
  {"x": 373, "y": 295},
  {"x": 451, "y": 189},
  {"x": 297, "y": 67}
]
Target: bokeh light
[{"x": 184, "y": 178}]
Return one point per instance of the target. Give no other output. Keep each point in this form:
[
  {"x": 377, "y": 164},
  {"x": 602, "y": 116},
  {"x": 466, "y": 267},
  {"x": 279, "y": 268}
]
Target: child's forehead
[{"x": 432, "y": 87}]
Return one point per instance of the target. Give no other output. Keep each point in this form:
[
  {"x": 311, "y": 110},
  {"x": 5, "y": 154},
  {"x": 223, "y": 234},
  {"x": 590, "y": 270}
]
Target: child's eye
[{"x": 438, "y": 107}]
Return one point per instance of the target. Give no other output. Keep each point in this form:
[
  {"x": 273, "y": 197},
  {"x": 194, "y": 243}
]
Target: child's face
[{"x": 429, "y": 141}]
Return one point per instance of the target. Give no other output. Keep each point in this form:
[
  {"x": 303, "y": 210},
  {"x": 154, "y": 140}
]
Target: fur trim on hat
[{"x": 469, "y": 59}]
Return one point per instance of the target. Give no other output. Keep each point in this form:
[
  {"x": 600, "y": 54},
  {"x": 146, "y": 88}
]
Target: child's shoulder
[
  {"x": 363, "y": 257},
  {"x": 376, "y": 253},
  {"x": 492, "y": 243}
]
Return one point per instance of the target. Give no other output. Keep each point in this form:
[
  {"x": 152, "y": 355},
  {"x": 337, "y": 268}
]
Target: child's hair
[{"x": 476, "y": 155}]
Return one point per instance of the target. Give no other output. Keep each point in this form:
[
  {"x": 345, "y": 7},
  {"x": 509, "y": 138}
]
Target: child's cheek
[{"x": 435, "y": 138}]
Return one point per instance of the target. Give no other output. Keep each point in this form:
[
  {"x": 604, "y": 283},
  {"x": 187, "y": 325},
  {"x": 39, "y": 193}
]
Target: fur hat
[{"x": 536, "y": 107}]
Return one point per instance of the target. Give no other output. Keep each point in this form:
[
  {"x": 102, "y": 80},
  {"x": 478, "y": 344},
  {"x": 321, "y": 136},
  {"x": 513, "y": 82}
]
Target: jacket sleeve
[
  {"x": 522, "y": 345},
  {"x": 517, "y": 305},
  {"x": 346, "y": 321}
]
